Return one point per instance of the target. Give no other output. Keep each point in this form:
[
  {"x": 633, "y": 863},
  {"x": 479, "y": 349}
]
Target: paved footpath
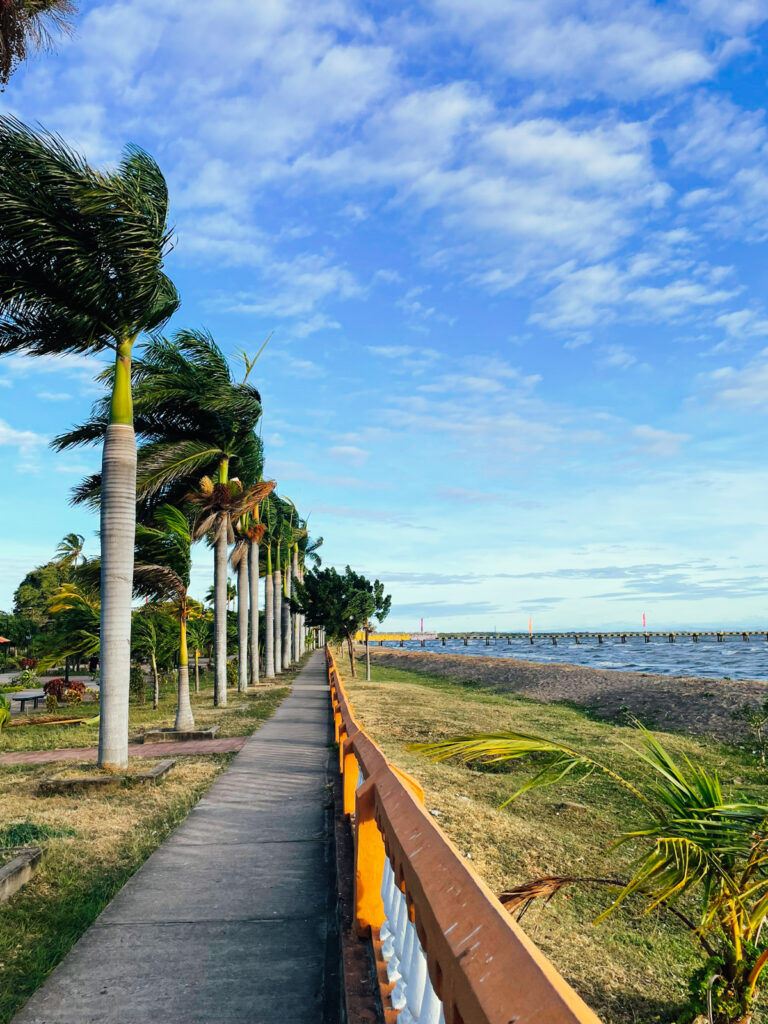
[
  {"x": 231, "y": 920},
  {"x": 224, "y": 745}
]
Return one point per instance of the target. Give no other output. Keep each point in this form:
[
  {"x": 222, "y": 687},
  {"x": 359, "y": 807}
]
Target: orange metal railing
[{"x": 482, "y": 966}]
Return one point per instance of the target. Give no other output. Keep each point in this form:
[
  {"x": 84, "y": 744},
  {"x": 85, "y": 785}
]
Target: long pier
[{"x": 575, "y": 637}]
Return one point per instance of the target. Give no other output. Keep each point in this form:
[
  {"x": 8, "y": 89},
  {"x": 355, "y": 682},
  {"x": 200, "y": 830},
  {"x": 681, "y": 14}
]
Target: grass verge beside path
[
  {"x": 631, "y": 969},
  {"x": 239, "y": 718},
  {"x": 97, "y": 841}
]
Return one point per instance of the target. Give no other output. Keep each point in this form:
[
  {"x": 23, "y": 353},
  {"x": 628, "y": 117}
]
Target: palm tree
[
  {"x": 199, "y": 636},
  {"x": 193, "y": 418},
  {"x": 152, "y": 643},
  {"x": 307, "y": 553},
  {"x": 81, "y": 256},
  {"x": 221, "y": 504},
  {"x": 239, "y": 561},
  {"x": 69, "y": 550},
  {"x": 162, "y": 570},
  {"x": 695, "y": 842},
  {"x": 29, "y": 25},
  {"x": 210, "y": 594}
]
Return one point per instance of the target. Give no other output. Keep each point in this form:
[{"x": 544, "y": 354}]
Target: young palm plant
[
  {"x": 81, "y": 257},
  {"x": 161, "y": 572},
  {"x": 693, "y": 842},
  {"x": 27, "y": 25},
  {"x": 199, "y": 634},
  {"x": 150, "y": 641}
]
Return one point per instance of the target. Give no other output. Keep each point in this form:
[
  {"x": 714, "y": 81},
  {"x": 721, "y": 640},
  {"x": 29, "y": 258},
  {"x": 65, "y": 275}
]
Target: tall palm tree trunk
[
  {"x": 197, "y": 670},
  {"x": 156, "y": 682},
  {"x": 277, "y": 588},
  {"x": 242, "y": 625},
  {"x": 253, "y": 579},
  {"x": 185, "y": 720},
  {"x": 220, "y": 618},
  {"x": 269, "y": 620},
  {"x": 286, "y": 612},
  {"x": 118, "y": 527},
  {"x": 296, "y": 618}
]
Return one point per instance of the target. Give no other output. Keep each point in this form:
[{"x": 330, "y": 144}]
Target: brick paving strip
[
  {"x": 232, "y": 919},
  {"x": 217, "y": 746}
]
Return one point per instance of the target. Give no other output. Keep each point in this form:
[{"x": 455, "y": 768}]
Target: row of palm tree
[{"x": 81, "y": 270}]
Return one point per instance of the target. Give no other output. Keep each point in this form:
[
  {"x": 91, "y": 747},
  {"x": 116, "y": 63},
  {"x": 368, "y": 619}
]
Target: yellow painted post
[
  {"x": 351, "y": 773},
  {"x": 369, "y": 863}
]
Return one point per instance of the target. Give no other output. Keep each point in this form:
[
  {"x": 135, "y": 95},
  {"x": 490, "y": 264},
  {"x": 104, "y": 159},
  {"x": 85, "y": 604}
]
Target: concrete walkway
[
  {"x": 231, "y": 920},
  {"x": 226, "y": 744}
]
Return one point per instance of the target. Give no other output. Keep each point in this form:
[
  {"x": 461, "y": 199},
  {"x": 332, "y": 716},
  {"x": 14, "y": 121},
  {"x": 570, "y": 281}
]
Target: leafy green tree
[
  {"x": 75, "y": 612},
  {"x": 342, "y": 604},
  {"x": 81, "y": 257},
  {"x": 32, "y": 596},
  {"x": 693, "y": 842},
  {"x": 27, "y": 25}
]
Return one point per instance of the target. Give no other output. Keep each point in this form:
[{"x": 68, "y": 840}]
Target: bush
[
  {"x": 27, "y": 663},
  {"x": 138, "y": 685},
  {"x": 233, "y": 674},
  {"x": 51, "y": 704},
  {"x": 73, "y": 697},
  {"x": 26, "y": 678},
  {"x": 5, "y": 712},
  {"x": 59, "y": 688}
]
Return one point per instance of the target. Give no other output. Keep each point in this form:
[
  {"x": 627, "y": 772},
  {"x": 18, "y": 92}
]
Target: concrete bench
[{"x": 23, "y": 697}]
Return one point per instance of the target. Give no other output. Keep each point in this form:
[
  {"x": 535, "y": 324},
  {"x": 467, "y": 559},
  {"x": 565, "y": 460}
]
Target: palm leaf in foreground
[{"x": 700, "y": 844}]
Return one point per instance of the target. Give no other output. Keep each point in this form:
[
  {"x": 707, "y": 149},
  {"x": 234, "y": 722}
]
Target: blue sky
[{"x": 514, "y": 258}]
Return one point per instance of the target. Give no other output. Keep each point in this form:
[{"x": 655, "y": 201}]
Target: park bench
[{"x": 25, "y": 696}]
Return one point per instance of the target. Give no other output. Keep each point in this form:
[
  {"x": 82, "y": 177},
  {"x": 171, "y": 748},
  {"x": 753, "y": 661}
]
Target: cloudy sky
[{"x": 513, "y": 256}]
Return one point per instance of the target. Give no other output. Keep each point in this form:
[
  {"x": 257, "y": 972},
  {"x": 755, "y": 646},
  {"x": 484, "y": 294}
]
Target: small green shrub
[
  {"x": 73, "y": 697},
  {"x": 51, "y": 704},
  {"x": 233, "y": 673},
  {"x": 5, "y": 711},
  {"x": 22, "y": 833}
]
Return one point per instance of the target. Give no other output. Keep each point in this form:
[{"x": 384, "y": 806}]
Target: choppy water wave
[{"x": 734, "y": 658}]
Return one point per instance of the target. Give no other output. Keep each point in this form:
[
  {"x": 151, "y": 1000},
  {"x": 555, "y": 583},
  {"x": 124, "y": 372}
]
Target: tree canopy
[{"x": 342, "y": 604}]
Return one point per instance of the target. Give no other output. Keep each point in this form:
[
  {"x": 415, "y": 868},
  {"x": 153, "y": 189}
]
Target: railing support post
[
  {"x": 369, "y": 862},
  {"x": 350, "y": 775}
]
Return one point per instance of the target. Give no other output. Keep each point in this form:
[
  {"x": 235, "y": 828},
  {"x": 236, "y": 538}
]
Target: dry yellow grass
[{"x": 630, "y": 969}]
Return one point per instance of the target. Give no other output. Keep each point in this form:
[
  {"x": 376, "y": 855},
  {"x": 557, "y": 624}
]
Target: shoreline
[{"x": 693, "y": 704}]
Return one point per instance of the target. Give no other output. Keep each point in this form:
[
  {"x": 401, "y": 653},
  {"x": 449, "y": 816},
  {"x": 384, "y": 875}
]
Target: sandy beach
[{"x": 701, "y": 707}]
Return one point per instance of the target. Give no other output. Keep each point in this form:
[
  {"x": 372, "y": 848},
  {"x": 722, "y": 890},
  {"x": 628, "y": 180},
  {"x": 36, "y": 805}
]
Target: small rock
[
  {"x": 571, "y": 806},
  {"x": 434, "y": 813},
  {"x": 738, "y": 782}
]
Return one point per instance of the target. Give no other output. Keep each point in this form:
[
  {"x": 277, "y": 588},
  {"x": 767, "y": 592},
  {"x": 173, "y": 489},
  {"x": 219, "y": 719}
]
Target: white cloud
[
  {"x": 746, "y": 389},
  {"x": 54, "y": 396},
  {"x": 350, "y": 454},
  {"x": 617, "y": 357},
  {"x": 652, "y": 441}
]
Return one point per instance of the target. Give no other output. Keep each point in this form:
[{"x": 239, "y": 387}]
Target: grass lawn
[
  {"x": 632, "y": 968},
  {"x": 239, "y": 718},
  {"x": 94, "y": 842}
]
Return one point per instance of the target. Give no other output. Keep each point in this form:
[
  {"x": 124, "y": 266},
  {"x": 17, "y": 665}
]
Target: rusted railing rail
[{"x": 445, "y": 948}]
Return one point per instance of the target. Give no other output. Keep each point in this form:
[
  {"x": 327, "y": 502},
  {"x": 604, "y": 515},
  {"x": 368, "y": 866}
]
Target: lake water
[{"x": 734, "y": 658}]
